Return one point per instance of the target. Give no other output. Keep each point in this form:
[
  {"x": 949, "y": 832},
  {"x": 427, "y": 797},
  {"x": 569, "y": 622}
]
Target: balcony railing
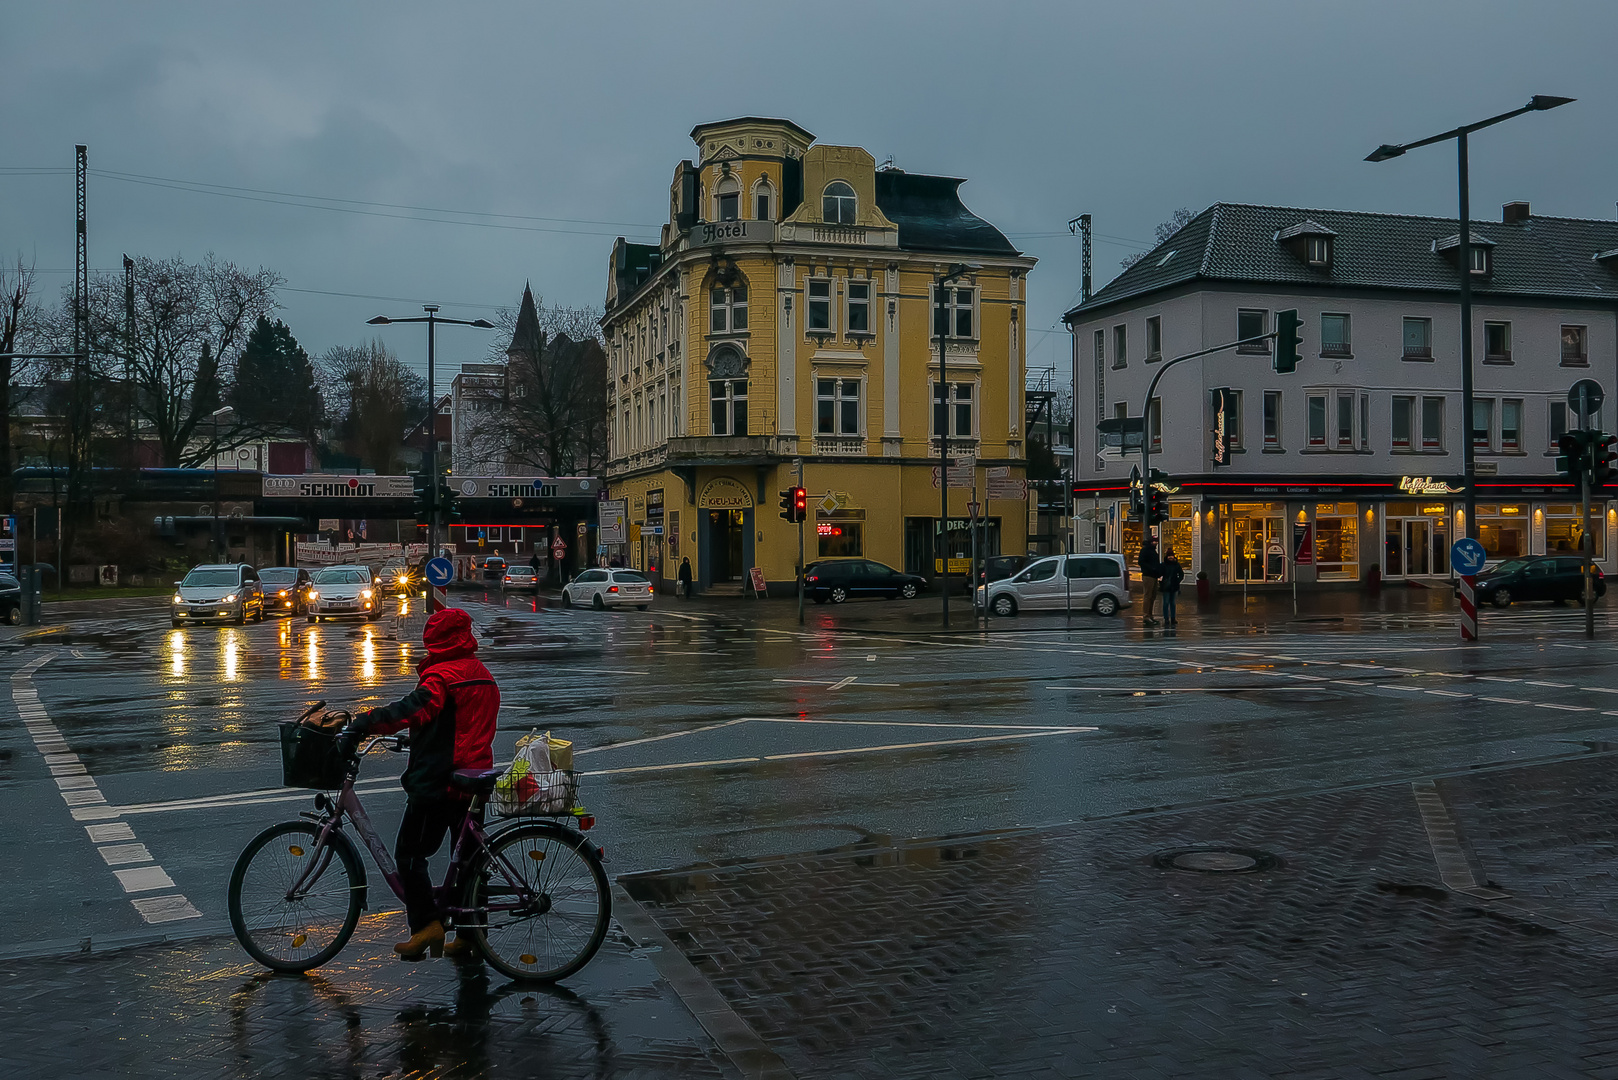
[{"x": 840, "y": 444}]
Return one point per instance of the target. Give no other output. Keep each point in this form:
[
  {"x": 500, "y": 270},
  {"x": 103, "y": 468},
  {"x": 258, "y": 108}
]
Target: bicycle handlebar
[{"x": 393, "y": 743}]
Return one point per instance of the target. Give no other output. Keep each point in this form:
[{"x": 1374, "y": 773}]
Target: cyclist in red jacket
[{"x": 451, "y": 716}]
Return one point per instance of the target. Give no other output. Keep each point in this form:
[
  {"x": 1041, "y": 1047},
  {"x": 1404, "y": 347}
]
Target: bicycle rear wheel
[
  {"x": 295, "y": 933},
  {"x": 542, "y": 900}
]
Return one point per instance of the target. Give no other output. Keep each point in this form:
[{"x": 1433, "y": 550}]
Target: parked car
[
  {"x": 523, "y": 578},
  {"x": 344, "y": 590},
  {"x": 607, "y": 588},
  {"x": 1099, "y": 582},
  {"x": 286, "y": 590},
  {"x": 494, "y": 568},
  {"x": 1538, "y": 577},
  {"x": 838, "y": 580},
  {"x": 218, "y": 591},
  {"x": 10, "y": 599},
  {"x": 999, "y": 567}
]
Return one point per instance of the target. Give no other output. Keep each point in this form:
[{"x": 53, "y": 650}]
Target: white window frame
[
  {"x": 1583, "y": 332},
  {"x": 730, "y": 391},
  {"x": 1487, "y": 445},
  {"x": 954, "y": 309},
  {"x": 1120, "y": 346},
  {"x": 723, "y": 301},
  {"x": 1346, "y": 348},
  {"x": 1311, "y": 401},
  {"x": 1424, "y": 352},
  {"x": 1272, "y": 432},
  {"x": 952, "y": 414},
  {"x": 1317, "y": 250},
  {"x": 1515, "y": 445},
  {"x": 1154, "y": 337},
  {"x": 1412, "y": 423},
  {"x": 847, "y": 206},
  {"x": 850, "y": 304},
  {"x": 1503, "y": 357},
  {"x": 839, "y": 401},
  {"x": 1261, "y": 348},
  {"x": 1341, "y": 438},
  {"x": 1433, "y": 442},
  {"x": 766, "y": 191}
]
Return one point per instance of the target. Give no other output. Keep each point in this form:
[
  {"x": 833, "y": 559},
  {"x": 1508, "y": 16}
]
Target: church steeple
[{"x": 527, "y": 335}]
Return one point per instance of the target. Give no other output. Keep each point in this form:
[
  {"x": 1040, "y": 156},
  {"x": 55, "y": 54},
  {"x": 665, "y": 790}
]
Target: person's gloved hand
[{"x": 349, "y": 739}]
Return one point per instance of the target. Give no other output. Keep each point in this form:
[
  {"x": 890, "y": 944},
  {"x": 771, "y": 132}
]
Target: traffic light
[
  {"x": 422, "y": 483},
  {"x": 449, "y": 506},
  {"x": 1157, "y": 502},
  {"x": 1570, "y": 454},
  {"x": 789, "y": 504},
  {"x": 800, "y": 504},
  {"x": 1288, "y": 341},
  {"x": 1601, "y": 459}
]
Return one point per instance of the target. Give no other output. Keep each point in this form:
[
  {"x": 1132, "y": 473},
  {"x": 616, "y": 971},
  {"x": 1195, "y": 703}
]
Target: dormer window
[
  {"x": 837, "y": 205},
  {"x": 1480, "y": 253},
  {"x": 1310, "y": 242},
  {"x": 1480, "y": 259}
]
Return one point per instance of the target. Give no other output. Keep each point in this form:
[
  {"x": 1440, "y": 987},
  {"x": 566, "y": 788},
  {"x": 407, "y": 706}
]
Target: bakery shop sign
[
  {"x": 723, "y": 493},
  {"x": 1426, "y": 485}
]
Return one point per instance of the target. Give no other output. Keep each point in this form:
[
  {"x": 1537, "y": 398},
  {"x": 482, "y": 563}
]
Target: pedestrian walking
[
  {"x": 685, "y": 576},
  {"x": 1170, "y": 575},
  {"x": 1150, "y": 568}
]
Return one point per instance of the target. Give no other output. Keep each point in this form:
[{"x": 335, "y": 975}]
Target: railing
[{"x": 840, "y": 444}]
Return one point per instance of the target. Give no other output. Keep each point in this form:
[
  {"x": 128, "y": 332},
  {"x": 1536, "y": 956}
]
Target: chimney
[{"x": 1514, "y": 213}]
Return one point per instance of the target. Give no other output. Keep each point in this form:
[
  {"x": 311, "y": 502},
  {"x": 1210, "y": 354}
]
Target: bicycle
[{"x": 532, "y": 895}]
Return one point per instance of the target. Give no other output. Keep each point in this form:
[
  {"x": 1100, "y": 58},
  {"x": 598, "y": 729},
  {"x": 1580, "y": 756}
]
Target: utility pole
[
  {"x": 941, "y": 325},
  {"x": 1081, "y": 226},
  {"x": 129, "y": 356}
]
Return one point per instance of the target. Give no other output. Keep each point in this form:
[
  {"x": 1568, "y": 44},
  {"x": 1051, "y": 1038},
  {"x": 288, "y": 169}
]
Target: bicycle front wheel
[
  {"x": 285, "y": 925},
  {"x": 542, "y": 903}
]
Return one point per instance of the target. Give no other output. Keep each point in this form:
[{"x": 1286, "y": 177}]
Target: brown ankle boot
[
  {"x": 428, "y": 938},
  {"x": 461, "y": 946}
]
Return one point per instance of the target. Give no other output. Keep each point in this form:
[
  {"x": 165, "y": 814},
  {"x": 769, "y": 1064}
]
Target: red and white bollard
[
  {"x": 437, "y": 598},
  {"x": 1469, "y": 608}
]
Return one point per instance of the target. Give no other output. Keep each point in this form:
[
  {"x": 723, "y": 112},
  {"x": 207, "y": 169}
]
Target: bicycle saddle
[{"x": 475, "y": 781}]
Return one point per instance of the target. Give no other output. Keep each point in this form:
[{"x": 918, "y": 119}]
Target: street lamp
[
  {"x": 1538, "y": 103},
  {"x": 432, "y": 319},
  {"x": 218, "y": 546},
  {"x": 941, "y": 324}
]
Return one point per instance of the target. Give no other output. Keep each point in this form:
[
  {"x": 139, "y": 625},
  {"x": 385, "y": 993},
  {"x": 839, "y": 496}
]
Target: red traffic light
[{"x": 800, "y": 503}]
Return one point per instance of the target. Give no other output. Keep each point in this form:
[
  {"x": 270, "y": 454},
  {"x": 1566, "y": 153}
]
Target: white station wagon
[
  {"x": 603, "y": 589},
  {"x": 1099, "y": 582}
]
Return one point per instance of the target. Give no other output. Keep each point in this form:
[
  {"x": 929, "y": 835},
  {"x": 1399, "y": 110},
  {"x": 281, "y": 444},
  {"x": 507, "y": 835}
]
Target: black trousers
[{"x": 421, "y": 833}]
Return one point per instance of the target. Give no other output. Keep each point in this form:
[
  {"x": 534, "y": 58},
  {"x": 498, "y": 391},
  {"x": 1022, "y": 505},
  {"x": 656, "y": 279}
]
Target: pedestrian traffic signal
[
  {"x": 1288, "y": 341},
  {"x": 1570, "y": 449},
  {"x": 1601, "y": 459},
  {"x": 800, "y": 504}
]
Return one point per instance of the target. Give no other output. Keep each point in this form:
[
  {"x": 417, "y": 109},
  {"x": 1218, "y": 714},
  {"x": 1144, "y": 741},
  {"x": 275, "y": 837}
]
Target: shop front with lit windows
[{"x": 1343, "y": 534}]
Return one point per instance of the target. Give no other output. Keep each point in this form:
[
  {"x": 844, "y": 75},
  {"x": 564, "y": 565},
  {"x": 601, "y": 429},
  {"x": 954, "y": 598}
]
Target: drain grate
[{"x": 1216, "y": 860}]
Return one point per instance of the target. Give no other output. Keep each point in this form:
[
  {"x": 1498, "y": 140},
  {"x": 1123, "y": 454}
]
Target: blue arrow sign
[
  {"x": 1467, "y": 556},
  {"x": 440, "y": 572}
]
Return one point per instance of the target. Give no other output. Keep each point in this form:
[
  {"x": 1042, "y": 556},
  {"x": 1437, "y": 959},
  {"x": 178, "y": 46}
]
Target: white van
[{"x": 1099, "y": 582}]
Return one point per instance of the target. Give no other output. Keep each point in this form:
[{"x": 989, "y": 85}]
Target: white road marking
[
  {"x": 82, "y": 796},
  {"x": 1555, "y": 685},
  {"x": 1506, "y": 700},
  {"x": 1183, "y": 689}
]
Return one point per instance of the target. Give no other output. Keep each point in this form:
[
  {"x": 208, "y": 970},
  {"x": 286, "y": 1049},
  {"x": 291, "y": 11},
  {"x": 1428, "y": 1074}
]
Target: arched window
[
  {"x": 763, "y": 201},
  {"x": 730, "y": 199},
  {"x": 837, "y": 205}
]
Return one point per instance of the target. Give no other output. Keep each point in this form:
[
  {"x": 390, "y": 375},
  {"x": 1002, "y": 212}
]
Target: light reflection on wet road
[{"x": 767, "y": 737}]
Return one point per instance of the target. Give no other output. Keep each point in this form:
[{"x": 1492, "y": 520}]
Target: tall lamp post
[
  {"x": 941, "y": 325},
  {"x": 218, "y": 546},
  {"x": 432, "y": 319},
  {"x": 1539, "y": 103}
]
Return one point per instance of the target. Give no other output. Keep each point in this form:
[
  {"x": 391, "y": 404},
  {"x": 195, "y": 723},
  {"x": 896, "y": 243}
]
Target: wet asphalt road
[{"x": 707, "y": 735}]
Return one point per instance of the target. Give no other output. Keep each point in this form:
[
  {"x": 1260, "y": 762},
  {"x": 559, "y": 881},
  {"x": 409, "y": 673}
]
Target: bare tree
[
  {"x": 1165, "y": 229},
  {"x": 554, "y": 415},
  {"x": 191, "y": 321},
  {"x": 372, "y": 395},
  {"x": 18, "y": 319}
]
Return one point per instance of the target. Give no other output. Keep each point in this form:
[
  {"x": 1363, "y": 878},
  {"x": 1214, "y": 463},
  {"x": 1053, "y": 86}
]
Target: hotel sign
[{"x": 1426, "y": 485}]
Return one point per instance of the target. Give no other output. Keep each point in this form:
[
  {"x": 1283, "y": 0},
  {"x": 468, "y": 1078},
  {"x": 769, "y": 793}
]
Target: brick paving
[
  {"x": 1067, "y": 952},
  {"x": 202, "y": 1010}
]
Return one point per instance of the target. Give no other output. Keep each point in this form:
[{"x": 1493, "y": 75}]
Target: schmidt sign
[
  {"x": 338, "y": 487},
  {"x": 524, "y": 487}
]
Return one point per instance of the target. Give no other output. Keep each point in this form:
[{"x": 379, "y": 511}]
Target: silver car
[
  {"x": 221, "y": 592},
  {"x": 344, "y": 590},
  {"x": 1099, "y": 582},
  {"x": 603, "y": 589}
]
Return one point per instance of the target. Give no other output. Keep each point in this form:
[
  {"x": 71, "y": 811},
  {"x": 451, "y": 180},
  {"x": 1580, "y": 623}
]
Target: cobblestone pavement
[
  {"x": 203, "y": 1010},
  {"x": 1070, "y": 952}
]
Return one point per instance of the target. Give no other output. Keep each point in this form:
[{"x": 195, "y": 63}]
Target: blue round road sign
[
  {"x": 1467, "y": 556},
  {"x": 441, "y": 571}
]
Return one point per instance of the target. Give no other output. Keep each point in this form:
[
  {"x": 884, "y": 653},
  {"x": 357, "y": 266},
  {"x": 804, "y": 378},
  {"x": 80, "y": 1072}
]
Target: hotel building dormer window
[{"x": 838, "y": 206}]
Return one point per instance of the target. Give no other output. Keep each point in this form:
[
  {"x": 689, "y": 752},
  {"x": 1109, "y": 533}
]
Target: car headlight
[
  {"x": 313, "y": 595},
  {"x": 283, "y": 592},
  {"x": 365, "y": 593},
  {"x": 231, "y": 599},
  {"x": 178, "y": 599}
]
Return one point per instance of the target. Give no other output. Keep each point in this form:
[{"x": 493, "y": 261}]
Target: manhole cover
[{"x": 1216, "y": 860}]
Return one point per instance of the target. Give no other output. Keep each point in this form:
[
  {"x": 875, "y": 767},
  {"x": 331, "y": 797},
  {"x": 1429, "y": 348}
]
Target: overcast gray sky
[{"x": 570, "y": 119}]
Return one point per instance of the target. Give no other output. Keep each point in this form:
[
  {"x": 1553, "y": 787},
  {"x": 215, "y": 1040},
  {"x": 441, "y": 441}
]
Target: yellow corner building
[{"x": 787, "y": 320}]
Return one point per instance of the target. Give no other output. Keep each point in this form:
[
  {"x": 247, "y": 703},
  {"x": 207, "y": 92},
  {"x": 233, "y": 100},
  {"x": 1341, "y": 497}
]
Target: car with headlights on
[
  {"x": 401, "y": 577},
  {"x": 286, "y": 590},
  {"x": 344, "y": 591},
  {"x": 218, "y": 592}
]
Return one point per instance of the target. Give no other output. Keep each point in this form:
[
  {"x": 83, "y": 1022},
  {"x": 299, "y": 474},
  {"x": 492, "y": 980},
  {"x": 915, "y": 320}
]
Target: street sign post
[
  {"x": 440, "y": 572},
  {"x": 1468, "y": 557}
]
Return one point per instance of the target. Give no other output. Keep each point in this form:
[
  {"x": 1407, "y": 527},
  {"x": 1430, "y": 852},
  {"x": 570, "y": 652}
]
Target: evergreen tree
[{"x": 275, "y": 380}]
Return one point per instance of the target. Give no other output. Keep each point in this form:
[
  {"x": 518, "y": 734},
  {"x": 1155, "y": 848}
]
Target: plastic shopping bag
[{"x": 533, "y": 784}]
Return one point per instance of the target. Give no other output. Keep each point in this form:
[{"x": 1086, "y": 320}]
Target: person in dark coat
[
  {"x": 685, "y": 576},
  {"x": 451, "y": 716},
  {"x": 1170, "y": 574},
  {"x": 1150, "y": 567}
]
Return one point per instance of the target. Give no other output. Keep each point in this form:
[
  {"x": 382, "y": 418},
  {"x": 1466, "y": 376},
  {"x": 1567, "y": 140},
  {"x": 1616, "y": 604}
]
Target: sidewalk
[
  {"x": 1071, "y": 952},
  {"x": 203, "y": 1010}
]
